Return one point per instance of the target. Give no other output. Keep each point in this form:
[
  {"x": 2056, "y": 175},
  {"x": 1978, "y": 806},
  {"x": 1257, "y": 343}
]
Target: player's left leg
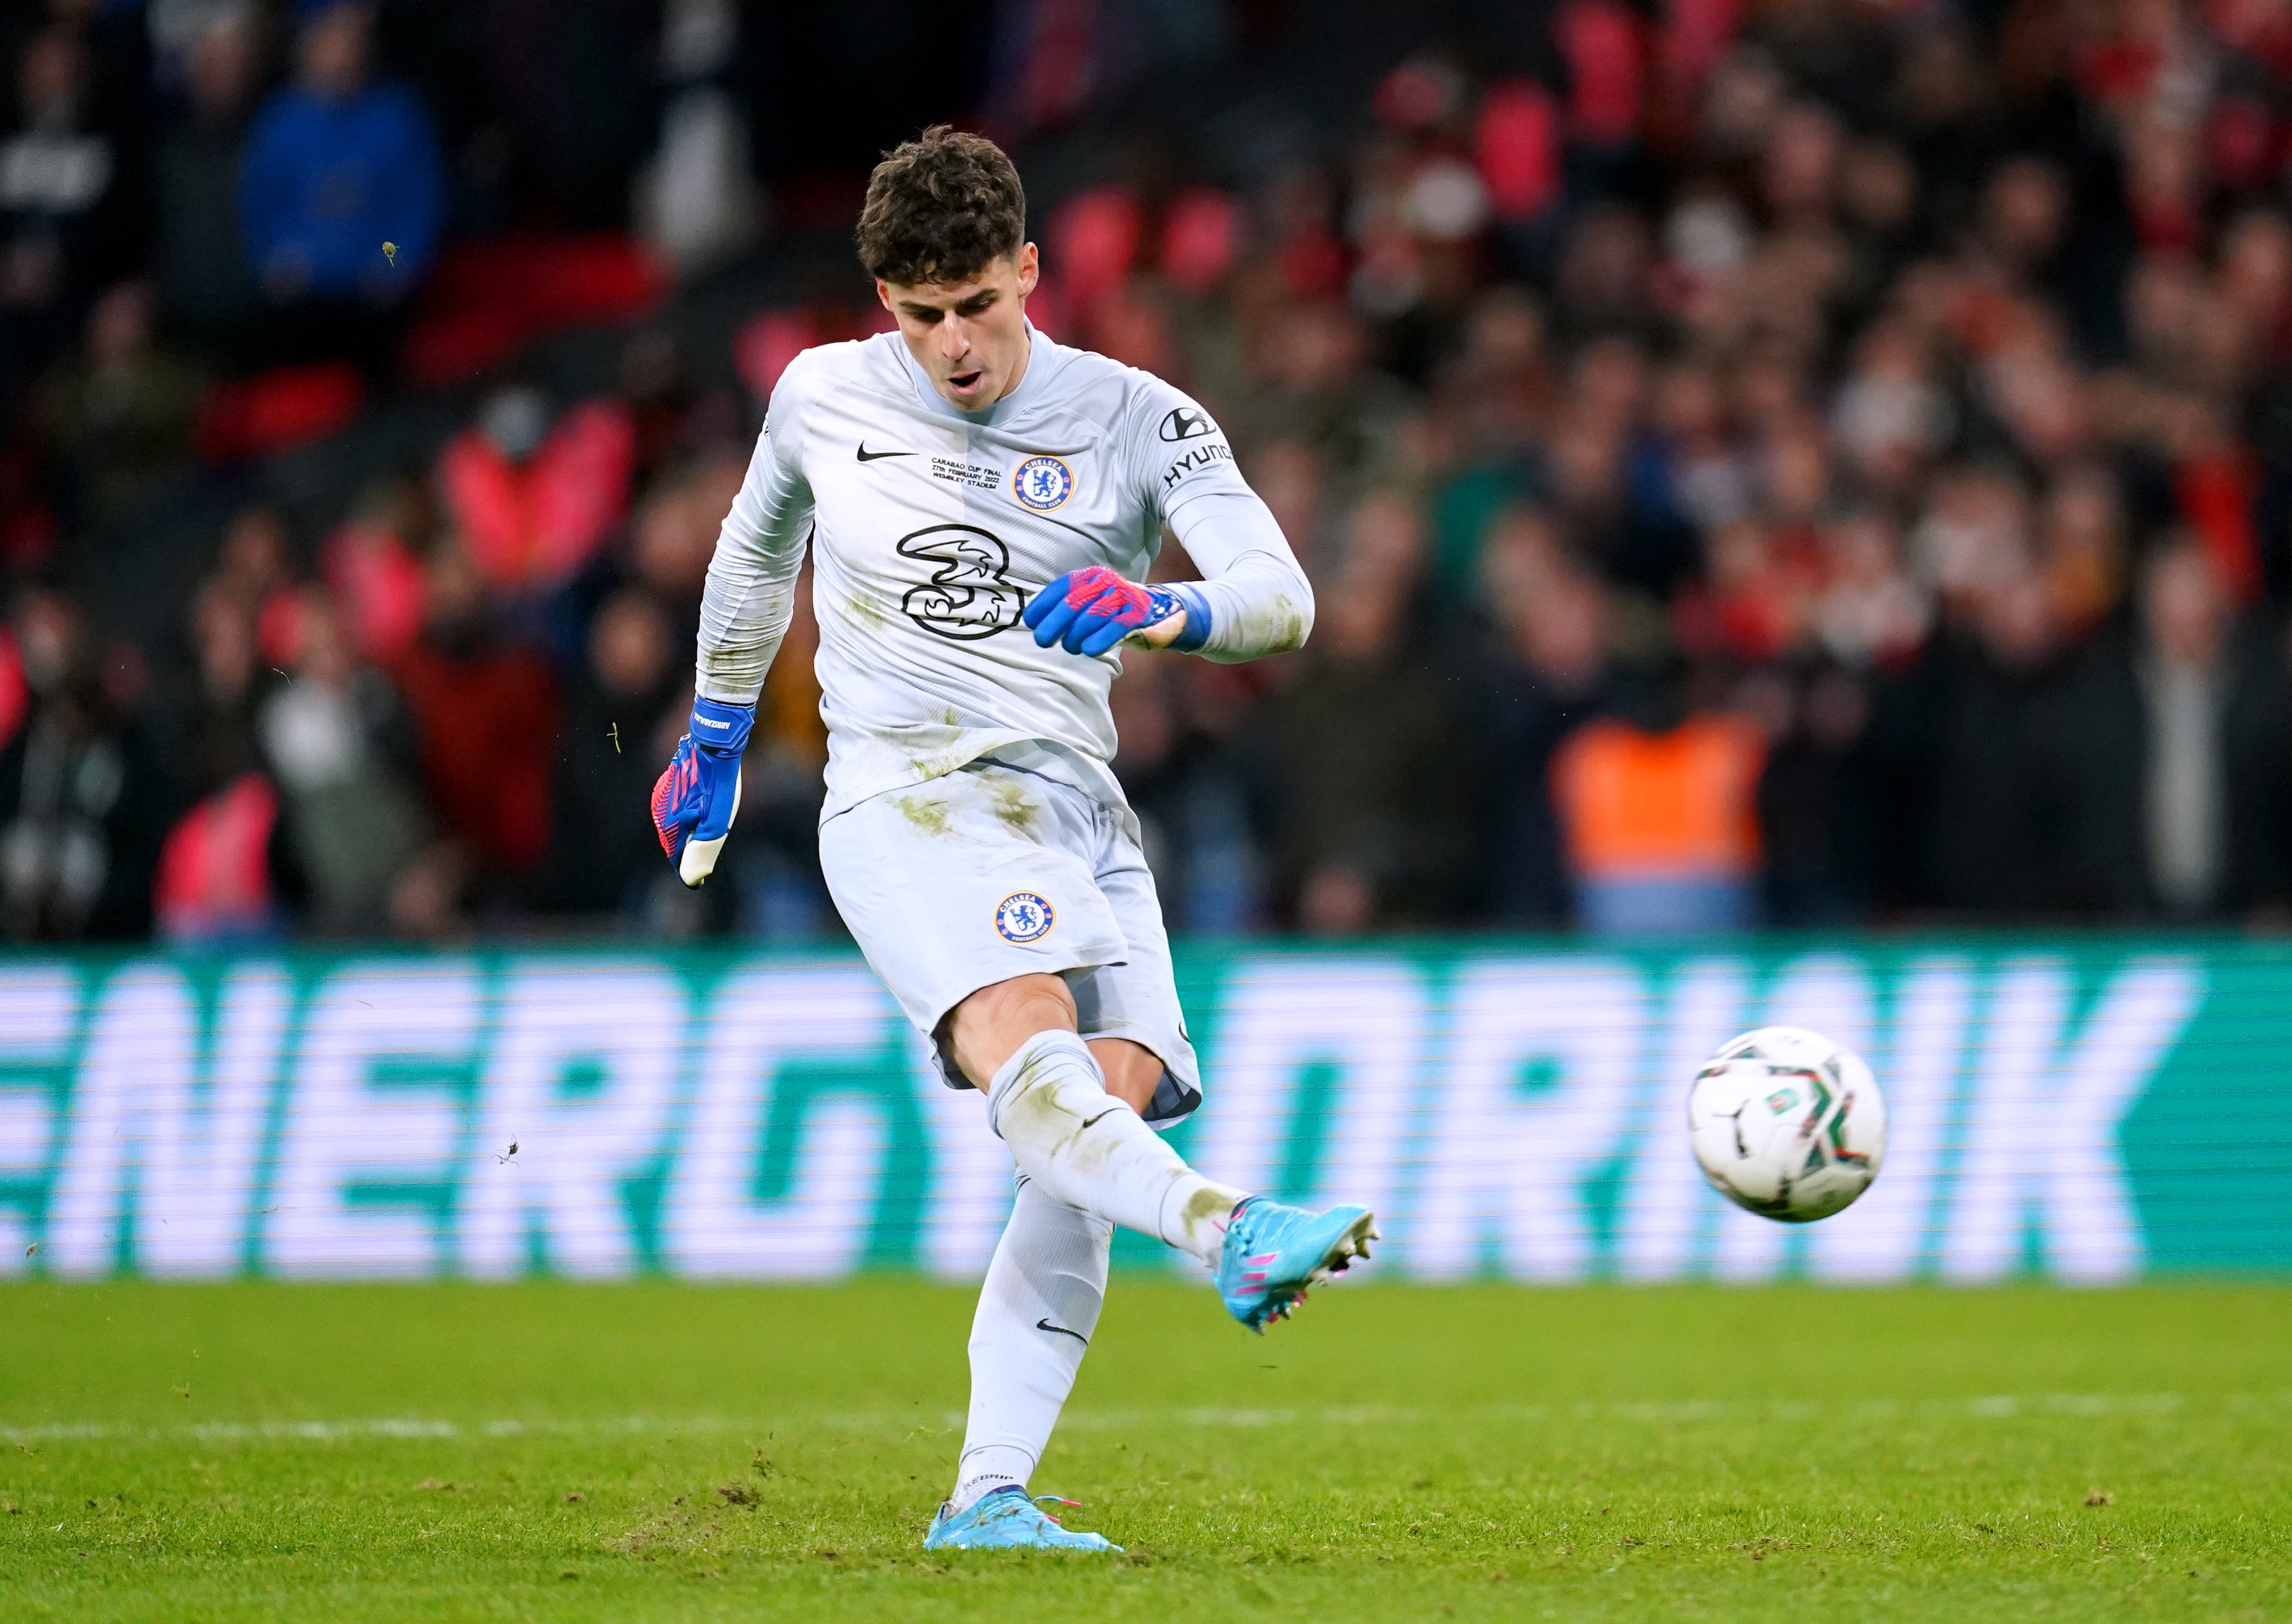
[{"x": 1038, "y": 1312}]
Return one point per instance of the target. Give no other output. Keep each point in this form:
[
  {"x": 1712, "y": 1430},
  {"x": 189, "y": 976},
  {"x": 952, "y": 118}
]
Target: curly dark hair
[{"x": 941, "y": 207}]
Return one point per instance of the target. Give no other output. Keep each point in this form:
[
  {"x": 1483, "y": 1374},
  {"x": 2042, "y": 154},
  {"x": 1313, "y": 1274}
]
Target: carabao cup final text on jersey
[{"x": 929, "y": 529}]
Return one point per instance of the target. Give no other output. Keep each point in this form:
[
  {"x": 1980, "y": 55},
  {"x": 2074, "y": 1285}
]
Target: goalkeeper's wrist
[
  {"x": 1196, "y": 631},
  {"x": 721, "y": 727}
]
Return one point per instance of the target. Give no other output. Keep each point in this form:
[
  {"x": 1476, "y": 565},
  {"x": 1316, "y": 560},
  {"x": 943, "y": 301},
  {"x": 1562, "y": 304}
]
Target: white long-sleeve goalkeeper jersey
[{"x": 931, "y": 528}]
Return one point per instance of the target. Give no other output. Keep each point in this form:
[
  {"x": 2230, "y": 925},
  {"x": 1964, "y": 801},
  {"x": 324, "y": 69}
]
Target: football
[{"x": 1787, "y": 1124}]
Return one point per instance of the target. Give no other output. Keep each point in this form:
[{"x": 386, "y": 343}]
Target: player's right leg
[
  {"x": 1047, "y": 1099},
  {"x": 1272, "y": 1253},
  {"x": 974, "y": 897}
]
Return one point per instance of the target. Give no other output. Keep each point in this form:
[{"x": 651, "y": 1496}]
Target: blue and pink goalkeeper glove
[
  {"x": 696, "y": 800},
  {"x": 1090, "y": 610}
]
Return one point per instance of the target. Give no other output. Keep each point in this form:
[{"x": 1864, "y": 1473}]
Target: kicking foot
[
  {"x": 1272, "y": 1253},
  {"x": 1005, "y": 1520}
]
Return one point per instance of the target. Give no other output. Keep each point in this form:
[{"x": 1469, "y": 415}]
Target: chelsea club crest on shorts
[
  {"x": 1023, "y": 916},
  {"x": 1042, "y": 483}
]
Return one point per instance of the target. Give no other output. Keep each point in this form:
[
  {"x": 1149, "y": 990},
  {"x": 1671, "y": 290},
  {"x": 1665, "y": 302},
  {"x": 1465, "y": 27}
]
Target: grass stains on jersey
[
  {"x": 1014, "y": 810},
  {"x": 931, "y": 817}
]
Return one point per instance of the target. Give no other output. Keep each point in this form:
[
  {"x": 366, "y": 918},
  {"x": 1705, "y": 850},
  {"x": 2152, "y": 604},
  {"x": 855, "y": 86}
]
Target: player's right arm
[{"x": 743, "y": 614}]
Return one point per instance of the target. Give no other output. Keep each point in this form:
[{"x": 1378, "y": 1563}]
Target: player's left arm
[{"x": 1253, "y": 599}]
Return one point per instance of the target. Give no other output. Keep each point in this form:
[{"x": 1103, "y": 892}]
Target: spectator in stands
[
  {"x": 1546, "y": 673},
  {"x": 535, "y": 495},
  {"x": 119, "y": 417},
  {"x": 697, "y": 200},
  {"x": 1186, "y": 777},
  {"x": 1868, "y": 611},
  {"x": 1975, "y": 776},
  {"x": 604, "y": 856},
  {"x": 340, "y": 746},
  {"x": 253, "y": 566},
  {"x": 68, "y": 220},
  {"x": 484, "y": 711},
  {"x": 1813, "y": 793},
  {"x": 1372, "y": 777},
  {"x": 1658, "y": 804},
  {"x": 209, "y": 716},
  {"x": 222, "y": 878},
  {"x": 373, "y": 567},
  {"x": 1312, "y": 380},
  {"x": 674, "y": 535},
  {"x": 336, "y": 169},
  {"x": 205, "y": 282},
  {"x": 1293, "y": 478},
  {"x": 224, "y": 873},
  {"x": 2182, "y": 734},
  {"x": 82, "y": 803}
]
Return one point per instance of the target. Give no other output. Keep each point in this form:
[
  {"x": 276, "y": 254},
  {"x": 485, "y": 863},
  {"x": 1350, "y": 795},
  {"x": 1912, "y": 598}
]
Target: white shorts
[{"x": 989, "y": 873}]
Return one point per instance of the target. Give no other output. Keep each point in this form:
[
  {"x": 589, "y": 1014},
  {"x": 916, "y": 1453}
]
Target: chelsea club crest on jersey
[
  {"x": 1042, "y": 483},
  {"x": 1024, "y": 916}
]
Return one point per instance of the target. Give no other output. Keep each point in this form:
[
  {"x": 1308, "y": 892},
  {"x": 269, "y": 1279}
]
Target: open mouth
[{"x": 963, "y": 382}]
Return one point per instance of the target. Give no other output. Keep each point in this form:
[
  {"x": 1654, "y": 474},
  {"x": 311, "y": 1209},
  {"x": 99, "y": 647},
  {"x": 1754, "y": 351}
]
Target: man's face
[
  {"x": 333, "y": 48},
  {"x": 969, "y": 337}
]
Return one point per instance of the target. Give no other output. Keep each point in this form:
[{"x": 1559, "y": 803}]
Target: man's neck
[
  {"x": 1018, "y": 376},
  {"x": 1026, "y": 354}
]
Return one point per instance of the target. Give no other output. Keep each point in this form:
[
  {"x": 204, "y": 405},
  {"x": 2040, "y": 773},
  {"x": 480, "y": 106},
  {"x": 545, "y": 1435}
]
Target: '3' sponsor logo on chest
[{"x": 969, "y": 594}]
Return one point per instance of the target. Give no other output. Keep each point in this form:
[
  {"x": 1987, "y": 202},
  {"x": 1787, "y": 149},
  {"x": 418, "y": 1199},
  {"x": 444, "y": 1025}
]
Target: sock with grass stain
[{"x": 1049, "y": 1103}]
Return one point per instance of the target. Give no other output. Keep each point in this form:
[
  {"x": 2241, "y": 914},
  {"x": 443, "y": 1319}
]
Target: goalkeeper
[{"x": 982, "y": 503}]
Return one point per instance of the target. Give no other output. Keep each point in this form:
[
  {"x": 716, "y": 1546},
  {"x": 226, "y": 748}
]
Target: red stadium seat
[
  {"x": 278, "y": 410},
  {"x": 491, "y": 299}
]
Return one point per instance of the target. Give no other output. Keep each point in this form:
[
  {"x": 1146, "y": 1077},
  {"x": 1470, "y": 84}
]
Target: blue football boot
[
  {"x": 1005, "y": 1520},
  {"x": 1272, "y": 1253}
]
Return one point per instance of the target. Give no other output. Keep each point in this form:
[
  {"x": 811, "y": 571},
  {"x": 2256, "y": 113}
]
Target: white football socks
[
  {"x": 1036, "y": 1314},
  {"x": 1049, "y": 1103}
]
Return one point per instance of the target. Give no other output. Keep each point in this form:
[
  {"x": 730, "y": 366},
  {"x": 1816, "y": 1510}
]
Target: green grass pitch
[{"x": 659, "y": 1452}]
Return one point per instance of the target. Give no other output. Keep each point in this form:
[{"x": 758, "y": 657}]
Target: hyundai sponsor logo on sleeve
[{"x": 1195, "y": 461}]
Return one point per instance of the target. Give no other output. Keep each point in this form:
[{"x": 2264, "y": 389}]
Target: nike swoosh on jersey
[
  {"x": 865, "y": 455},
  {"x": 1061, "y": 1330},
  {"x": 1095, "y": 1122}
]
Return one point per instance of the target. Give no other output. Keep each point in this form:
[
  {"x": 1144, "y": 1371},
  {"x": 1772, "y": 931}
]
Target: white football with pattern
[{"x": 1787, "y": 1124}]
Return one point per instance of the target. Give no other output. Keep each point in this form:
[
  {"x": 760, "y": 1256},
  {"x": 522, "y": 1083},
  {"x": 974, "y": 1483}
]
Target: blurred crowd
[{"x": 1803, "y": 465}]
